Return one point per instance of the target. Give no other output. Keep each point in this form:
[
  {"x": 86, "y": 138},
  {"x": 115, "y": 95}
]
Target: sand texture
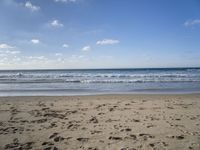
[{"x": 105, "y": 122}]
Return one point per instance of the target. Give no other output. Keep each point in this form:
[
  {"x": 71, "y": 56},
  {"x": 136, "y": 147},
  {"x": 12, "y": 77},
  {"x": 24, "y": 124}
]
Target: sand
[{"x": 104, "y": 122}]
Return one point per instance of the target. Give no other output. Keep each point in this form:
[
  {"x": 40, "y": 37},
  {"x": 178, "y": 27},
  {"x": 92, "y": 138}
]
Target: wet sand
[{"x": 104, "y": 122}]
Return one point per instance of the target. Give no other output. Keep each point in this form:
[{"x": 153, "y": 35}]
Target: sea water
[{"x": 99, "y": 81}]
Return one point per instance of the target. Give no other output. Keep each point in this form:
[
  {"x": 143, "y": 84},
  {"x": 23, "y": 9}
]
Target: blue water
[{"x": 99, "y": 81}]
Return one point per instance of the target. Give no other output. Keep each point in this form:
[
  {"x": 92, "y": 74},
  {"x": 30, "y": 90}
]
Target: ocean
[{"x": 99, "y": 81}]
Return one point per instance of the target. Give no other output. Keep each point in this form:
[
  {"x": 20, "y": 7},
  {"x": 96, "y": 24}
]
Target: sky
[{"x": 77, "y": 34}]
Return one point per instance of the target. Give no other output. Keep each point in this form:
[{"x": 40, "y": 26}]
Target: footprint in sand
[
  {"x": 115, "y": 138},
  {"x": 146, "y": 136},
  {"x": 93, "y": 120},
  {"x": 17, "y": 145},
  {"x": 82, "y": 139}
]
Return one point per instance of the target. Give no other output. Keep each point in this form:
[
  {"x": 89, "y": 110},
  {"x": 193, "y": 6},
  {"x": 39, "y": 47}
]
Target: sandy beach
[{"x": 102, "y": 122}]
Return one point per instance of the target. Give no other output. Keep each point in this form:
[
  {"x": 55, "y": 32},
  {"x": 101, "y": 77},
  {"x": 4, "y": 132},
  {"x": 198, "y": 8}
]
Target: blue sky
[{"x": 65, "y": 34}]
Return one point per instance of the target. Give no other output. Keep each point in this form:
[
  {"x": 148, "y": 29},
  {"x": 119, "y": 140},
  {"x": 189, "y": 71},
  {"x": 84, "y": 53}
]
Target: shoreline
[
  {"x": 97, "y": 122},
  {"x": 106, "y": 94}
]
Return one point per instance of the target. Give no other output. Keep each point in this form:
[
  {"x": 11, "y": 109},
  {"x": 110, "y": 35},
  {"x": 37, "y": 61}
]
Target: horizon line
[{"x": 115, "y": 68}]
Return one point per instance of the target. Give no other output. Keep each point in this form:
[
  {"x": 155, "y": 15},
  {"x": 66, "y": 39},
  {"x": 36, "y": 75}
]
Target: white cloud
[
  {"x": 7, "y": 52},
  {"x": 86, "y": 48},
  {"x": 46, "y": 62},
  {"x": 34, "y": 61},
  {"x": 76, "y": 59},
  {"x": 37, "y": 57},
  {"x": 12, "y": 52},
  {"x": 66, "y": 1},
  {"x": 192, "y": 22},
  {"x": 58, "y": 54},
  {"x": 56, "y": 24},
  {"x": 35, "y": 41},
  {"x": 32, "y": 7},
  {"x": 107, "y": 42},
  {"x": 61, "y": 60},
  {"x": 6, "y": 49},
  {"x": 2, "y": 55},
  {"x": 16, "y": 59},
  {"x": 5, "y": 46},
  {"x": 65, "y": 45}
]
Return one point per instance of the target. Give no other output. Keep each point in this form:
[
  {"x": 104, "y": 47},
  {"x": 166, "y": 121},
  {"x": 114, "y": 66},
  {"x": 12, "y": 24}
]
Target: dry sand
[{"x": 106, "y": 122}]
